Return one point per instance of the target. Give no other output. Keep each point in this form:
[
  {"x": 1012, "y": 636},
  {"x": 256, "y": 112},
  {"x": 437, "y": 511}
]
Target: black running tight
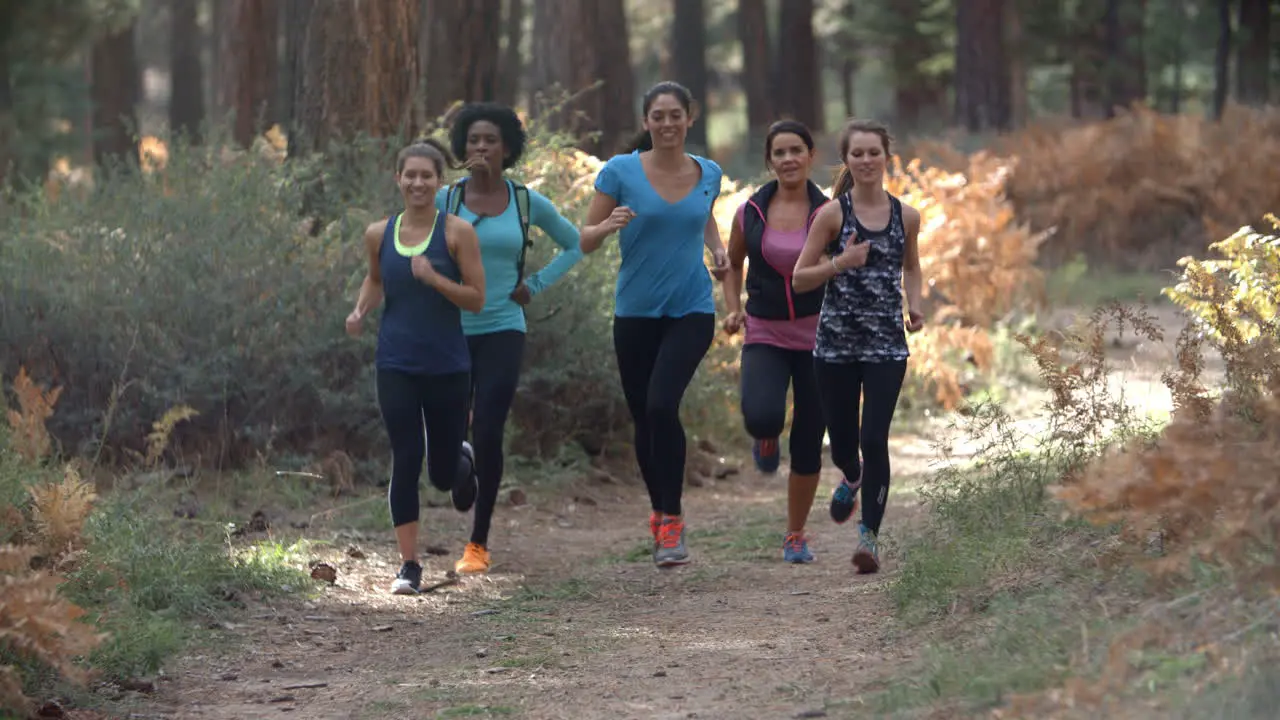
[
  {"x": 410, "y": 404},
  {"x": 657, "y": 358},
  {"x": 766, "y": 372},
  {"x": 495, "y": 373},
  {"x": 841, "y": 386}
]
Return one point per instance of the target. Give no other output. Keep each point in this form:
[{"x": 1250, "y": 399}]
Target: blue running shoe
[
  {"x": 767, "y": 455},
  {"x": 867, "y": 556},
  {"x": 795, "y": 549},
  {"x": 844, "y": 500}
]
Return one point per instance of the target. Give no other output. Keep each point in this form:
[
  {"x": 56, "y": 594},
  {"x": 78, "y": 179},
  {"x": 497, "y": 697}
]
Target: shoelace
[
  {"x": 669, "y": 534},
  {"x": 794, "y": 542}
]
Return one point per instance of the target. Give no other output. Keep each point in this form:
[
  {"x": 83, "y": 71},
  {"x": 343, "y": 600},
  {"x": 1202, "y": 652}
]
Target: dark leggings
[
  {"x": 410, "y": 404},
  {"x": 766, "y": 372},
  {"x": 839, "y": 386},
  {"x": 657, "y": 358},
  {"x": 495, "y": 373}
]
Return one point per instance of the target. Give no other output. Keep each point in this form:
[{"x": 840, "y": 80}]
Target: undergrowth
[
  {"x": 101, "y": 590},
  {"x": 1096, "y": 563}
]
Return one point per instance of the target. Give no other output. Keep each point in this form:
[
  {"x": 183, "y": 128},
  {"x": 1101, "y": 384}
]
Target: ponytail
[
  {"x": 843, "y": 183},
  {"x": 642, "y": 142}
]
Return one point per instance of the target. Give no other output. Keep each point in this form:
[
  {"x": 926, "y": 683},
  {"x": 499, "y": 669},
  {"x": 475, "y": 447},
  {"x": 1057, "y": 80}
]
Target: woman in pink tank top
[{"x": 769, "y": 230}]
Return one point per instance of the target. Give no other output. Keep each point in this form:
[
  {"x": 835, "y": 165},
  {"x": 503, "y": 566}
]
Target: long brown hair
[{"x": 844, "y": 179}]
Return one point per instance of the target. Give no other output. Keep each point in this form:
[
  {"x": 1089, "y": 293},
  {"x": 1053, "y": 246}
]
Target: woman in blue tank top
[
  {"x": 660, "y": 200},
  {"x": 426, "y": 264}
]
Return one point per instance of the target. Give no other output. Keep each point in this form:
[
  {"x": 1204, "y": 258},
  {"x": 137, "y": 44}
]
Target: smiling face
[
  {"x": 419, "y": 179},
  {"x": 485, "y": 150},
  {"x": 790, "y": 159},
  {"x": 866, "y": 157},
  {"x": 667, "y": 121}
]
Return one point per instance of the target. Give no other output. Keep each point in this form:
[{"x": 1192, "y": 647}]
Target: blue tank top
[{"x": 421, "y": 330}]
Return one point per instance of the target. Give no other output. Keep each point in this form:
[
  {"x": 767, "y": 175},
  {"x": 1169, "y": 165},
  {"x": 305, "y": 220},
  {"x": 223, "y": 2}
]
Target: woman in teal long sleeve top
[{"x": 490, "y": 138}]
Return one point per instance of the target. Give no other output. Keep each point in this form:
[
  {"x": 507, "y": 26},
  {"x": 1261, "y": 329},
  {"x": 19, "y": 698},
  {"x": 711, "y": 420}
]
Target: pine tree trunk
[
  {"x": 616, "y": 99},
  {"x": 249, "y": 66},
  {"x": 1253, "y": 53},
  {"x": 799, "y": 82},
  {"x": 753, "y": 33},
  {"x": 1222, "y": 60},
  {"x": 982, "y": 75},
  {"x": 186, "y": 75},
  {"x": 689, "y": 63},
  {"x": 1125, "y": 65},
  {"x": 115, "y": 95},
  {"x": 510, "y": 62},
  {"x": 389, "y": 29},
  {"x": 462, "y": 52}
]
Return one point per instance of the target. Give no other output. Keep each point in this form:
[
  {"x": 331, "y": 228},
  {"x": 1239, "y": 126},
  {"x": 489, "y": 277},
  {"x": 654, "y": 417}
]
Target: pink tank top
[{"x": 781, "y": 250}]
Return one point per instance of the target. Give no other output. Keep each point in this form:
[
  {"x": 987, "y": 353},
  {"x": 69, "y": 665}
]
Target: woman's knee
[{"x": 763, "y": 422}]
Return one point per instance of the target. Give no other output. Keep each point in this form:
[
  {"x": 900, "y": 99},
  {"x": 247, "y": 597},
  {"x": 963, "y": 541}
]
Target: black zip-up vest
[{"x": 769, "y": 293}]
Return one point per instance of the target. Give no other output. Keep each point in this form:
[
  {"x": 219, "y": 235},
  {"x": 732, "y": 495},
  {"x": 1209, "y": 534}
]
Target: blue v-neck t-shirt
[{"x": 663, "y": 271}]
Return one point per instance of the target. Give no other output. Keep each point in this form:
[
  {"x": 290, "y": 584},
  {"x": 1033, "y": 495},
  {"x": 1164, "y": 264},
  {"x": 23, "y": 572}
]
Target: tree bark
[
  {"x": 114, "y": 96},
  {"x": 689, "y": 61},
  {"x": 389, "y": 30},
  {"x": 294, "y": 17},
  {"x": 575, "y": 68},
  {"x": 462, "y": 52},
  {"x": 799, "y": 83},
  {"x": 249, "y": 65},
  {"x": 753, "y": 33},
  {"x": 1253, "y": 53},
  {"x": 982, "y": 81},
  {"x": 1016, "y": 52},
  {"x": 1222, "y": 60},
  {"x": 186, "y": 74},
  {"x": 1126, "y": 75},
  {"x": 510, "y": 62}
]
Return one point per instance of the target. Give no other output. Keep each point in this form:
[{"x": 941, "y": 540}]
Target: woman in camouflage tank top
[{"x": 864, "y": 248}]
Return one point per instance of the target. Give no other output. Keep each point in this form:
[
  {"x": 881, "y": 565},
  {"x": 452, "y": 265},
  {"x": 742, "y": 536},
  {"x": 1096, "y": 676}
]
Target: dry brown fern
[
  {"x": 59, "y": 511},
  {"x": 37, "y": 623},
  {"x": 30, "y": 439}
]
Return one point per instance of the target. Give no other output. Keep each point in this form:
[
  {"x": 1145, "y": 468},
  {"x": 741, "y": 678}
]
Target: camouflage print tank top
[{"x": 861, "y": 318}]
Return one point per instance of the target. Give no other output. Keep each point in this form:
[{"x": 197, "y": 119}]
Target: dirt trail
[{"x": 574, "y": 621}]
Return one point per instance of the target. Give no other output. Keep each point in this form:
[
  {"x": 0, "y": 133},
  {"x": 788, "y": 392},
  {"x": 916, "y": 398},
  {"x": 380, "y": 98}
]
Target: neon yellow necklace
[{"x": 417, "y": 249}]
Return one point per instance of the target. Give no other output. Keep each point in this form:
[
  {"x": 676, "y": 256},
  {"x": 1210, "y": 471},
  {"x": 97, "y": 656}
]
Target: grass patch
[
  {"x": 476, "y": 711},
  {"x": 1075, "y": 284}
]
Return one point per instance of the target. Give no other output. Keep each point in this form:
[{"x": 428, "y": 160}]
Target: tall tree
[
  {"x": 461, "y": 62},
  {"x": 510, "y": 61},
  {"x": 798, "y": 83},
  {"x": 1126, "y": 74},
  {"x": 1253, "y": 53},
  {"x": 753, "y": 33},
  {"x": 982, "y": 72},
  {"x": 1222, "y": 60},
  {"x": 689, "y": 60},
  {"x": 600, "y": 117},
  {"x": 115, "y": 91},
  {"x": 249, "y": 65},
  {"x": 295, "y": 17},
  {"x": 919, "y": 92},
  {"x": 389, "y": 29},
  {"x": 186, "y": 74},
  {"x": 1015, "y": 51}
]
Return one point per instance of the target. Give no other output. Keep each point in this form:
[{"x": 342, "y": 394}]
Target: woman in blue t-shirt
[
  {"x": 660, "y": 200},
  {"x": 426, "y": 266},
  {"x": 490, "y": 138}
]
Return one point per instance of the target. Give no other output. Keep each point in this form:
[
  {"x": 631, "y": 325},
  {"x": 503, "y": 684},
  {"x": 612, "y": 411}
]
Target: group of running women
[{"x": 823, "y": 314}]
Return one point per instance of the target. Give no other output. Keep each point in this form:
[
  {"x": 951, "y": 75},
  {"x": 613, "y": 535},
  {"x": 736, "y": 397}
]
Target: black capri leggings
[
  {"x": 766, "y": 372},
  {"x": 495, "y": 374},
  {"x": 657, "y": 358},
  {"x": 841, "y": 386},
  {"x": 410, "y": 404}
]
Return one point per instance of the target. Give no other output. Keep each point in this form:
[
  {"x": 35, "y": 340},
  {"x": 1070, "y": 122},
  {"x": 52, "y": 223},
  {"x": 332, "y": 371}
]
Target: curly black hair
[{"x": 506, "y": 120}]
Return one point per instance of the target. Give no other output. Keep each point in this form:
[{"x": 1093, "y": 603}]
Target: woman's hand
[
  {"x": 733, "y": 322},
  {"x": 617, "y": 220},
  {"x": 854, "y": 254},
  {"x": 721, "y": 259},
  {"x": 423, "y": 270},
  {"x": 355, "y": 323},
  {"x": 915, "y": 321},
  {"x": 521, "y": 294}
]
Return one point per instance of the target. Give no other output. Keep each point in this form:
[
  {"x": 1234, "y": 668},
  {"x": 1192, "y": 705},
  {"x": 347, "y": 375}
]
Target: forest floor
[{"x": 574, "y": 621}]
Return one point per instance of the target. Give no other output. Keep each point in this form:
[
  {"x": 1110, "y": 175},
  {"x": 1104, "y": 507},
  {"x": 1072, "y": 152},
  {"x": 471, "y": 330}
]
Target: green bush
[{"x": 222, "y": 283}]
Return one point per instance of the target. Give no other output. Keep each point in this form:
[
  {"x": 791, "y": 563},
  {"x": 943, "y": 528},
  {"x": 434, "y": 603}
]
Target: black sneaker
[
  {"x": 408, "y": 580},
  {"x": 467, "y": 484}
]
